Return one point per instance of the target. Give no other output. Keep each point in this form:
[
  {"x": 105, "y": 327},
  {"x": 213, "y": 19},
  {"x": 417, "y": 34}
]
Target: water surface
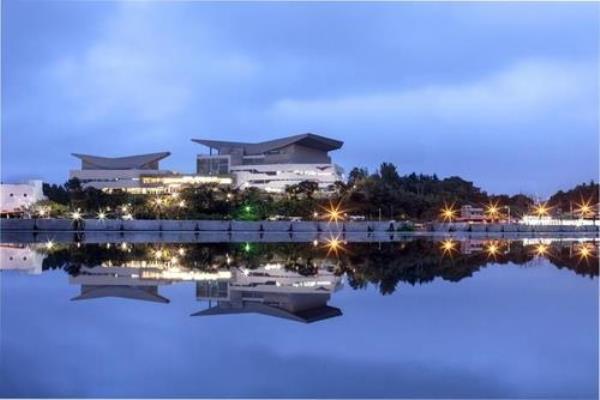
[{"x": 409, "y": 318}]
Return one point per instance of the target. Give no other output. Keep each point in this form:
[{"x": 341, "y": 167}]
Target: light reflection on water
[{"x": 370, "y": 307}]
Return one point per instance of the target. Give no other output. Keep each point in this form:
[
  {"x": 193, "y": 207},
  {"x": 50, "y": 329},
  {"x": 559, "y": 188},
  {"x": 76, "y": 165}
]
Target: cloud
[
  {"x": 145, "y": 68},
  {"x": 527, "y": 90}
]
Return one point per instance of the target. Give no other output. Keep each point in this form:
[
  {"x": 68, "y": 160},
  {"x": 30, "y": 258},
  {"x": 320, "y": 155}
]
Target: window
[{"x": 213, "y": 166}]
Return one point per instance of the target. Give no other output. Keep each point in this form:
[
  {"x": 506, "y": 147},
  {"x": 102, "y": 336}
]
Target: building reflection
[
  {"x": 117, "y": 281},
  {"x": 270, "y": 289},
  {"x": 273, "y": 291},
  {"x": 20, "y": 257},
  {"x": 294, "y": 281}
]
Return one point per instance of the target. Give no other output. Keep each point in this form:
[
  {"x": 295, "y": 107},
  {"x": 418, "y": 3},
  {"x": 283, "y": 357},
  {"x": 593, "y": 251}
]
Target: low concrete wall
[
  {"x": 386, "y": 226},
  {"x": 54, "y": 224},
  {"x": 278, "y": 226},
  {"x": 110, "y": 225},
  {"x": 209, "y": 225},
  {"x": 103, "y": 225},
  {"x": 175, "y": 225},
  {"x": 330, "y": 226},
  {"x": 17, "y": 224},
  {"x": 304, "y": 226},
  {"x": 142, "y": 225},
  {"x": 495, "y": 228},
  {"x": 477, "y": 228},
  {"x": 510, "y": 228},
  {"x": 248, "y": 226}
]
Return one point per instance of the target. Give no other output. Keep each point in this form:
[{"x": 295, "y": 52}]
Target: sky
[{"x": 502, "y": 94}]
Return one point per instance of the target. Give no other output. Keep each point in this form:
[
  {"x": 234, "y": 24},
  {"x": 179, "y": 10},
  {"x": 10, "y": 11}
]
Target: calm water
[{"x": 417, "y": 318}]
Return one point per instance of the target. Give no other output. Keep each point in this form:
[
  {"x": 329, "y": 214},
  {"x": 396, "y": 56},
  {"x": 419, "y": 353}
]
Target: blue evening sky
[{"x": 506, "y": 95}]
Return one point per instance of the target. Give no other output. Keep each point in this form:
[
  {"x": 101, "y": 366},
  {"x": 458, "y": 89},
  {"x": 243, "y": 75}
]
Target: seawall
[{"x": 110, "y": 225}]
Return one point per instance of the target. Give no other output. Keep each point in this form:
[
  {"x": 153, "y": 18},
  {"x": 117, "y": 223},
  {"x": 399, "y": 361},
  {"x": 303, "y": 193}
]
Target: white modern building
[
  {"x": 17, "y": 198},
  {"x": 136, "y": 174},
  {"x": 548, "y": 220},
  {"x": 272, "y": 165}
]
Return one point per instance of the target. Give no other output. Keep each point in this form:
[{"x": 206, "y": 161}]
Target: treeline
[
  {"x": 420, "y": 196},
  {"x": 382, "y": 194},
  {"x": 572, "y": 199}
]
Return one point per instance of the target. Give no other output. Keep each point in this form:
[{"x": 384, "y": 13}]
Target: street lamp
[
  {"x": 493, "y": 210},
  {"x": 334, "y": 213},
  {"x": 584, "y": 209},
  {"x": 541, "y": 209},
  {"x": 448, "y": 213}
]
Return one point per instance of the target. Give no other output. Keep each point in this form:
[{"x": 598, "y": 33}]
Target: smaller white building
[
  {"x": 17, "y": 198},
  {"x": 547, "y": 220}
]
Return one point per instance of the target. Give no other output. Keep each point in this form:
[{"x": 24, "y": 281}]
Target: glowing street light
[
  {"x": 49, "y": 244},
  {"x": 584, "y": 209},
  {"x": 334, "y": 213},
  {"x": 493, "y": 210},
  {"x": 448, "y": 213},
  {"x": 76, "y": 215},
  {"x": 101, "y": 215},
  {"x": 181, "y": 204},
  {"x": 541, "y": 209},
  {"x": 181, "y": 251}
]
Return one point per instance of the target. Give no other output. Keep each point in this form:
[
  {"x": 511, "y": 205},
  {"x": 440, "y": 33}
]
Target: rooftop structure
[
  {"x": 136, "y": 174},
  {"x": 272, "y": 165},
  {"x": 136, "y": 162},
  {"x": 108, "y": 173}
]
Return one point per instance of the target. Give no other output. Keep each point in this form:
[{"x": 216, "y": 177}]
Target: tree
[
  {"x": 357, "y": 175},
  {"x": 389, "y": 174}
]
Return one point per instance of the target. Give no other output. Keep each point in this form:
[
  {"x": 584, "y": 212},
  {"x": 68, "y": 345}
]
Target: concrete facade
[
  {"x": 17, "y": 198},
  {"x": 273, "y": 165}
]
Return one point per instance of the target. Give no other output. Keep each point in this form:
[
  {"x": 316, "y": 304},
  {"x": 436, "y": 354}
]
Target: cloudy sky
[{"x": 506, "y": 95}]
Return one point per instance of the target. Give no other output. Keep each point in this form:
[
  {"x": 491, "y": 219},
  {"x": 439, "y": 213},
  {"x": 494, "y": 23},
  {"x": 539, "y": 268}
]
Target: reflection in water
[
  {"x": 287, "y": 280},
  {"x": 272, "y": 290}
]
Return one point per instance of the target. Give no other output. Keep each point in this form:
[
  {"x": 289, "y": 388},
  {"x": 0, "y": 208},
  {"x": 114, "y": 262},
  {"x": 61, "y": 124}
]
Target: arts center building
[{"x": 271, "y": 166}]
